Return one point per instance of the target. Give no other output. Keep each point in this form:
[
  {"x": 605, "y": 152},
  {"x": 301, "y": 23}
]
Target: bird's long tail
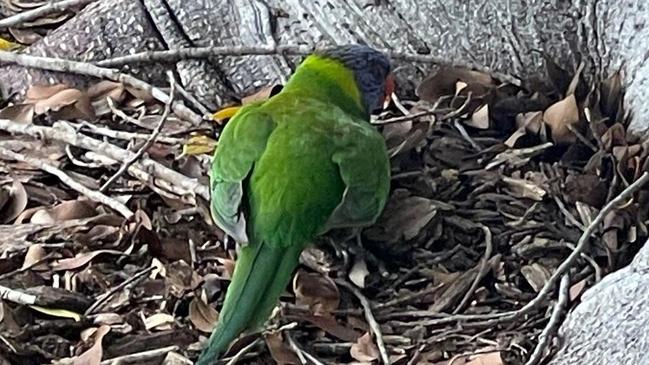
[{"x": 261, "y": 274}]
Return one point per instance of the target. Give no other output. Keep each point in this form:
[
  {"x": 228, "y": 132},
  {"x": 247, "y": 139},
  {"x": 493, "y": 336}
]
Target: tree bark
[{"x": 610, "y": 325}]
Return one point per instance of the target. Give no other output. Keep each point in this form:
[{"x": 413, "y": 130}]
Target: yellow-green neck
[{"x": 331, "y": 80}]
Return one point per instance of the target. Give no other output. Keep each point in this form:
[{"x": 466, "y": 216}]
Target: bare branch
[
  {"x": 88, "y": 69},
  {"x": 374, "y": 325},
  {"x": 148, "y": 143},
  {"x": 67, "y": 180},
  {"x": 143, "y": 170},
  {"x": 180, "y": 54},
  {"x": 551, "y": 327}
]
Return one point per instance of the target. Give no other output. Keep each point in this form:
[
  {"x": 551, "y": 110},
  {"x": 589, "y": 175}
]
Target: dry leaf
[
  {"x": 25, "y": 36},
  {"x": 226, "y": 113},
  {"x": 80, "y": 260},
  {"x": 364, "y": 349},
  {"x": 560, "y": 116},
  {"x": 13, "y": 201},
  {"x": 491, "y": 358},
  {"x": 445, "y": 82},
  {"x": 198, "y": 145},
  {"x": 202, "y": 315},
  {"x": 280, "y": 352},
  {"x": 611, "y": 96},
  {"x": 181, "y": 278},
  {"x": 316, "y": 291},
  {"x": 6, "y": 45},
  {"x": 107, "y": 89},
  {"x": 536, "y": 275},
  {"x": 35, "y": 253},
  {"x": 521, "y": 188},
  {"x": 404, "y": 217},
  {"x": 21, "y": 113},
  {"x": 479, "y": 118},
  {"x": 330, "y": 325},
  {"x": 55, "y": 312},
  {"x": 94, "y": 354},
  {"x": 263, "y": 94},
  {"x": 66, "y": 210},
  {"x": 577, "y": 289},
  {"x": 159, "y": 321},
  {"x": 359, "y": 272}
]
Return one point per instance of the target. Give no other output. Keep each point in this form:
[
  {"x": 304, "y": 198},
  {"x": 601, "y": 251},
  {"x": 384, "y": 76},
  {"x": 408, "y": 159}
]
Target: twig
[
  {"x": 192, "y": 100},
  {"x": 553, "y": 324},
  {"x": 466, "y": 135},
  {"x": 88, "y": 69},
  {"x": 581, "y": 245},
  {"x": 49, "y": 8},
  {"x": 481, "y": 272},
  {"x": 123, "y": 135},
  {"x": 140, "y": 357},
  {"x": 148, "y": 143},
  {"x": 234, "y": 359},
  {"x": 374, "y": 325},
  {"x": 590, "y": 260},
  {"x": 45, "y": 258},
  {"x": 409, "y": 297},
  {"x": 571, "y": 218},
  {"x": 296, "y": 349},
  {"x": 102, "y": 299},
  {"x": 414, "y": 116},
  {"x": 144, "y": 169},
  {"x": 16, "y": 296},
  {"x": 493, "y": 319},
  {"x": 304, "y": 355},
  {"x": 269, "y": 50},
  {"x": 67, "y": 180}
]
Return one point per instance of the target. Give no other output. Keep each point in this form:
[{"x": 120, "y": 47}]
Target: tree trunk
[{"x": 610, "y": 325}]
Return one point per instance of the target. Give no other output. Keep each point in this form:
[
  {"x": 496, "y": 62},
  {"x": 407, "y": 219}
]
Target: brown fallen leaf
[
  {"x": 536, "y": 275},
  {"x": 445, "y": 82},
  {"x": 66, "y": 210},
  {"x": 13, "y": 201},
  {"x": 330, "y": 325},
  {"x": 364, "y": 349},
  {"x": 611, "y": 96},
  {"x": 61, "y": 101},
  {"x": 404, "y": 217},
  {"x": 180, "y": 278},
  {"x": 561, "y": 116},
  {"x": 479, "y": 118},
  {"x": 25, "y": 36},
  {"x": 316, "y": 291},
  {"x": 202, "y": 316},
  {"x": 159, "y": 321},
  {"x": 21, "y": 113},
  {"x": 35, "y": 253},
  {"x": 94, "y": 354},
  {"x": 491, "y": 358},
  {"x": 280, "y": 352},
  {"x": 358, "y": 272},
  {"x": 577, "y": 289},
  {"x": 80, "y": 260},
  {"x": 263, "y": 94}
]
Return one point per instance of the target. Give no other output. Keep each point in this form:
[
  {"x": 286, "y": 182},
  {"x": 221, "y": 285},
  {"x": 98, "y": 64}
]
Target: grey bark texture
[{"x": 611, "y": 325}]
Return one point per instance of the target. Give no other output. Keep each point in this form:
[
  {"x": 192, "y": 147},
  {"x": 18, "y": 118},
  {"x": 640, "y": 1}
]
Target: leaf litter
[{"x": 492, "y": 185}]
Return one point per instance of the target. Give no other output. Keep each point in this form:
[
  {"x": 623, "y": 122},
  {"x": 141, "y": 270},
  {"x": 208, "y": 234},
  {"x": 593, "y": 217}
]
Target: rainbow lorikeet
[{"x": 289, "y": 169}]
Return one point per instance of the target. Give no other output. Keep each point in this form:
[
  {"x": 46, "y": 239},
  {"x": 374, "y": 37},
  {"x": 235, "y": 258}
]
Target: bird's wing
[
  {"x": 365, "y": 169},
  {"x": 241, "y": 144}
]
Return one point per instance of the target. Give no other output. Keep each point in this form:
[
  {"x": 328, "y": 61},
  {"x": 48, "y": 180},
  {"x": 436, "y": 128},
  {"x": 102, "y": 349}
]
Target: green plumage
[{"x": 285, "y": 171}]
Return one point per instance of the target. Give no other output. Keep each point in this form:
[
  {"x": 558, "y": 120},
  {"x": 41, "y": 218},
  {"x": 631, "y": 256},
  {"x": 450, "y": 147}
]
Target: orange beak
[{"x": 389, "y": 89}]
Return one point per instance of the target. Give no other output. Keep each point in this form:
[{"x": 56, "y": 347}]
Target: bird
[{"x": 293, "y": 167}]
